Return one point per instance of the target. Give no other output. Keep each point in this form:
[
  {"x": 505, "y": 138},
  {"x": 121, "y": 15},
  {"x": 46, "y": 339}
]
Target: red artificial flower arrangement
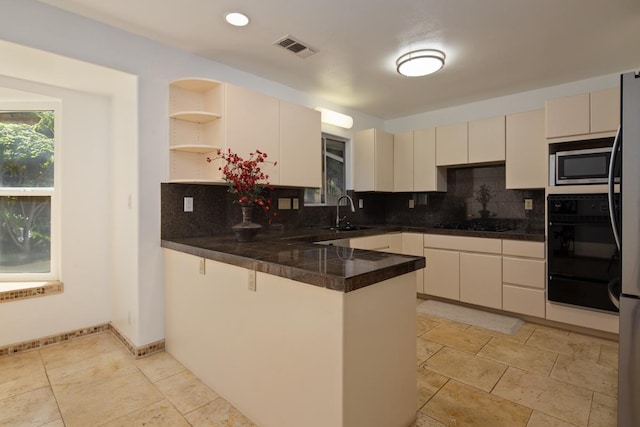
[{"x": 245, "y": 178}]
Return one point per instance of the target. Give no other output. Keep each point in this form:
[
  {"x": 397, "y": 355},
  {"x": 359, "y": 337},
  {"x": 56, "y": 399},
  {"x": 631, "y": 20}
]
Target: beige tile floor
[{"x": 467, "y": 376}]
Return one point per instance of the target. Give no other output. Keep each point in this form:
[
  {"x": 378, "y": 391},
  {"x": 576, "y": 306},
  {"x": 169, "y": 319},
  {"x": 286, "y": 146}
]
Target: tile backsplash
[{"x": 214, "y": 211}]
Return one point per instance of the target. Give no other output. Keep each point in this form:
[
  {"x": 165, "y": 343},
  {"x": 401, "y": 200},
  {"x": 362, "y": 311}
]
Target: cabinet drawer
[
  {"x": 372, "y": 243},
  {"x": 523, "y": 300},
  {"x": 522, "y": 248},
  {"x": 390, "y": 242},
  {"x": 525, "y": 272},
  {"x": 460, "y": 243}
]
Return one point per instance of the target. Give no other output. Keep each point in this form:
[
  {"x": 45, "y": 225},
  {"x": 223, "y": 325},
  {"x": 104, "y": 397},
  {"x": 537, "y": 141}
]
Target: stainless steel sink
[{"x": 348, "y": 228}]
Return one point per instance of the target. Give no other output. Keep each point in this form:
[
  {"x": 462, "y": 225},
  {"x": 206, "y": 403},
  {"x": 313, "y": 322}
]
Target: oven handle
[
  {"x": 613, "y": 289},
  {"x": 611, "y": 182}
]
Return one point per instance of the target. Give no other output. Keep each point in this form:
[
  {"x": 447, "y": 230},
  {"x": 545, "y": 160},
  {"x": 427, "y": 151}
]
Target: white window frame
[
  {"x": 344, "y": 160},
  {"x": 52, "y": 192}
]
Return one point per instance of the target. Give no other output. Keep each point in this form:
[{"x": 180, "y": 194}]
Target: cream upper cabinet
[
  {"x": 403, "y": 161},
  {"x": 479, "y": 141},
  {"x": 605, "y": 110},
  {"x": 253, "y": 122},
  {"x": 487, "y": 140},
  {"x": 583, "y": 116},
  {"x": 414, "y": 157},
  {"x": 527, "y": 158},
  {"x": 452, "y": 144},
  {"x": 373, "y": 161},
  {"x": 481, "y": 279},
  {"x": 426, "y": 175},
  {"x": 300, "y": 147},
  {"x": 567, "y": 116},
  {"x": 195, "y": 129}
]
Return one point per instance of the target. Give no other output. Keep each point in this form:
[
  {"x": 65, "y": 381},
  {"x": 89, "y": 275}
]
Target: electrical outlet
[
  {"x": 252, "y": 280},
  {"x": 412, "y": 204},
  {"x": 360, "y": 203},
  {"x": 528, "y": 204},
  {"x": 188, "y": 204},
  {"x": 284, "y": 203}
]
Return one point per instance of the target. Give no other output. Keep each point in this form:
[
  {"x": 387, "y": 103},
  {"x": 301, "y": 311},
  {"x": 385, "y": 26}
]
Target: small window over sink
[{"x": 334, "y": 173}]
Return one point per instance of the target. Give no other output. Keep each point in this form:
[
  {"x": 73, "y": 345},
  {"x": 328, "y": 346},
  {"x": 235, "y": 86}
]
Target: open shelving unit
[{"x": 195, "y": 129}]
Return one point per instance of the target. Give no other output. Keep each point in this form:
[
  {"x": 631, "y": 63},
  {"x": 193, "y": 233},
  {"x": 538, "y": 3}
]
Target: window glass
[
  {"x": 26, "y": 191},
  {"x": 333, "y": 173}
]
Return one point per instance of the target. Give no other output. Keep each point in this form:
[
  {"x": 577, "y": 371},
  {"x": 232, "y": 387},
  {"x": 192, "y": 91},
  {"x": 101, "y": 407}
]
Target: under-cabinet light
[{"x": 334, "y": 118}]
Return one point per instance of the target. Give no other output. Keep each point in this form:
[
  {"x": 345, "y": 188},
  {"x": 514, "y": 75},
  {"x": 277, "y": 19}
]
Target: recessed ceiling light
[
  {"x": 421, "y": 62},
  {"x": 237, "y": 19}
]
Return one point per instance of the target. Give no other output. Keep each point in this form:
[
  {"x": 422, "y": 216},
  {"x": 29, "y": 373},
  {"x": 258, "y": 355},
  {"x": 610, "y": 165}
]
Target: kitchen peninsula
[{"x": 295, "y": 333}]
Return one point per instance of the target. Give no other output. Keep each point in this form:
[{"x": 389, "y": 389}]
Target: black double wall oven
[{"x": 581, "y": 250}]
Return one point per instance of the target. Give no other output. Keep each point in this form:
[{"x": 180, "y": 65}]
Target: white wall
[{"x": 84, "y": 209}]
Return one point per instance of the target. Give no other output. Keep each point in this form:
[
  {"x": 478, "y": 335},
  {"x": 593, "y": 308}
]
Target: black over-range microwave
[{"x": 588, "y": 166}]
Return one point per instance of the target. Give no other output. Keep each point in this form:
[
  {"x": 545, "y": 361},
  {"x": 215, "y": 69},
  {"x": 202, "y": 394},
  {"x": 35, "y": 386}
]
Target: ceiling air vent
[{"x": 301, "y": 49}]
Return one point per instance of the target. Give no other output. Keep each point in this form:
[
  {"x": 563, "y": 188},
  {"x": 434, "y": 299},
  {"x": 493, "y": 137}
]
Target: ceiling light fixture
[
  {"x": 334, "y": 118},
  {"x": 418, "y": 63},
  {"x": 237, "y": 19}
]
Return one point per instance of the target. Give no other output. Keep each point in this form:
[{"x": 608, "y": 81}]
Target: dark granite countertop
[
  {"x": 515, "y": 234},
  {"x": 294, "y": 257},
  {"x": 318, "y": 234},
  {"x": 293, "y": 254}
]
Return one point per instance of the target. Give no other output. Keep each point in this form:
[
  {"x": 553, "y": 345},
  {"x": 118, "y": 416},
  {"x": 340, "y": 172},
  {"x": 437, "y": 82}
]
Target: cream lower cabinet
[
  {"x": 391, "y": 242},
  {"x": 362, "y": 344},
  {"x": 442, "y": 273},
  {"x": 523, "y": 277},
  {"x": 481, "y": 279},
  {"x": 466, "y": 269},
  {"x": 413, "y": 244}
]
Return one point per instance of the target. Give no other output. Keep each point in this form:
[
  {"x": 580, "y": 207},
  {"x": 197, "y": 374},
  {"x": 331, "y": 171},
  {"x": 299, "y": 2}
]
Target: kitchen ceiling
[{"x": 493, "y": 47}]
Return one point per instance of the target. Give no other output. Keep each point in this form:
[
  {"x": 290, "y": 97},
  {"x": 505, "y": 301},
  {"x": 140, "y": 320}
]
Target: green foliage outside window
[{"x": 26, "y": 162}]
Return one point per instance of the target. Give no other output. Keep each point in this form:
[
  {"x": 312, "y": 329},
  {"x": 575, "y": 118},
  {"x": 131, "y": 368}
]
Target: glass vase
[{"x": 246, "y": 231}]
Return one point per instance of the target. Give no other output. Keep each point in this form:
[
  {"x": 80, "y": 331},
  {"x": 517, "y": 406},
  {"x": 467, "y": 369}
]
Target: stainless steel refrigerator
[{"x": 626, "y": 224}]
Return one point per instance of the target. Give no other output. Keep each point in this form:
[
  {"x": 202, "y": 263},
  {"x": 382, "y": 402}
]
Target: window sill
[{"x": 13, "y": 291}]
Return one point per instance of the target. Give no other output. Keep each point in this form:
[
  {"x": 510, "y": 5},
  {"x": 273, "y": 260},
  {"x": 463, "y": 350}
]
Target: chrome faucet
[{"x": 353, "y": 208}]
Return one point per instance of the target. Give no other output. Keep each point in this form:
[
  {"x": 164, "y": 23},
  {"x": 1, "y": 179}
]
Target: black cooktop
[{"x": 495, "y": 226}]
